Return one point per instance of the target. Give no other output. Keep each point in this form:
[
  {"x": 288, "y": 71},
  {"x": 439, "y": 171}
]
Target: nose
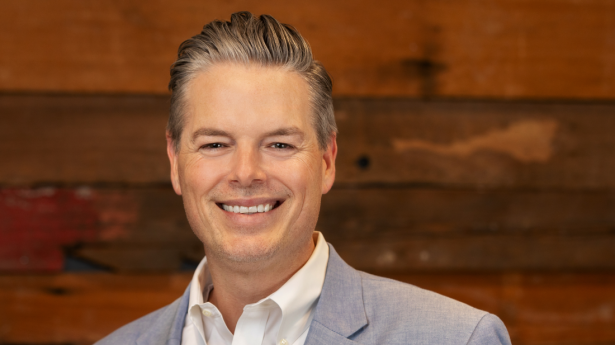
[{"x": 247, "y": 169}]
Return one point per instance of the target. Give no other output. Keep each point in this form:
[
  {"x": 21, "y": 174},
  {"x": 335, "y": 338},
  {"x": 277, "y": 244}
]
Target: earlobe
[
  {"x": 172, "y": 154},
  {"x": 328, "y": 157}
]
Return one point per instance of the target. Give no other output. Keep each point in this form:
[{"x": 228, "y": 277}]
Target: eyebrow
[
  {"x": 209, "y": 132},
  {"x": 285, "y": 131},
  {"x": 212, "y": 132}
]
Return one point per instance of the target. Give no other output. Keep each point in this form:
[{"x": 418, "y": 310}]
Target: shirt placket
[{"x": 250, "y": 329}]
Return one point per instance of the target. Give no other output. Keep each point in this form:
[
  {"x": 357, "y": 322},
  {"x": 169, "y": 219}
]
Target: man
[{"x": 252, "y": 144}]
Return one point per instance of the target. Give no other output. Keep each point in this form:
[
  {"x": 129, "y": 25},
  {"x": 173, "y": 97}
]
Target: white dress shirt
[{"x": 282, "y": 318}]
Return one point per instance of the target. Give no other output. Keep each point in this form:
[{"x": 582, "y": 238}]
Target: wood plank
[
  {"x": 395, "y": 230},
  {"x": 387, "y": 213},
  {"x": 120, "y": 139},
  {"x": 36, "y": 224},
  {"x": 81, "y": 308},
  {"x": 413, "y": 229},
  {"x": 83, "y": 139},
  {"x": 486, "y": 253},
  {"x": 478, "y": 144},
  {"x": 141, "y": 230},
  {"x": 494, "y": 49}
]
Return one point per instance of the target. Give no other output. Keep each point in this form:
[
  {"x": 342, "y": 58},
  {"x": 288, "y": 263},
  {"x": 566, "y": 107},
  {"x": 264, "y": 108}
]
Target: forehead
[{"x": 235, "y": 96}]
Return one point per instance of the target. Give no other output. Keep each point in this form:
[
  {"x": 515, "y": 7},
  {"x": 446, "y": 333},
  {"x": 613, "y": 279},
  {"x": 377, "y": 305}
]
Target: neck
[{"x": 239, "y": 284}]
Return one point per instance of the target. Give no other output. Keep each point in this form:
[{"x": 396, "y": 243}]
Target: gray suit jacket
[{"x": 354, "y": 308}]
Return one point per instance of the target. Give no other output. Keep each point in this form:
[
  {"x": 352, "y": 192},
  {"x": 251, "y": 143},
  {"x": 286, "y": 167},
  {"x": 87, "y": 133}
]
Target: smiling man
[{"x": 252, "y": 144}]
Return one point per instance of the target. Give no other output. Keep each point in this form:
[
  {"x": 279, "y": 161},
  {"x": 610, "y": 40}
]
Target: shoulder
[
  {"x": 379, "y": 292},
  {"x": 129, "y": 333},
  {"x": 408, "y": 312}
]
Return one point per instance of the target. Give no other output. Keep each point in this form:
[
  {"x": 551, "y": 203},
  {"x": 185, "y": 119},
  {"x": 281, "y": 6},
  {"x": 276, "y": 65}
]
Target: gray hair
[{"x": 246, "y": 39}]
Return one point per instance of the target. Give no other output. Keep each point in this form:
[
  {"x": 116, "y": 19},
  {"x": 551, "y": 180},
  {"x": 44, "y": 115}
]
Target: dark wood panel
[
  {"x": 481, "y": 253},
  {"x": 499, "y": 49},
  {"x": 478, "y": 144},
  {"x": 88, "y": 139},
  {"x": 388, "y": 213},
  {"x": 120, "y": 139},
  {"x": 145, "y": 229},
  {"x": 82, "y": 308}
]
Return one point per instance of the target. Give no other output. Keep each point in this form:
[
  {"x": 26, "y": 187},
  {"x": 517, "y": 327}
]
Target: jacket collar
[
  {"x": 167, "y": 328},
  {"x": 340, "y": 311}
]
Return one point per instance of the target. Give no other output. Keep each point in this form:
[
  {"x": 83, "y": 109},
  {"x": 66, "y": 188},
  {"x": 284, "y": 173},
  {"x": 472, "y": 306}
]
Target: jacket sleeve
[{"x": 490, "y": 330}]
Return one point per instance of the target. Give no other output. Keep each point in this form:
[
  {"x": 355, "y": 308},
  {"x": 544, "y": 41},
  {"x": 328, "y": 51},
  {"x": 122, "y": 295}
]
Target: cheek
[
  {"x": 302, "y": 175},
  {"x": 199, "y": 176}
]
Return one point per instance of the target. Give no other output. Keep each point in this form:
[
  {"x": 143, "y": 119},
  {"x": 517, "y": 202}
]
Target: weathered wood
[
  {"x": 36, "y": 224},
  {"x": 388, "y": 213},
  {"x": 481, "y": 253},
  {"x": 449, "y": 230},
  {"x": 82, "y": 308},
  {"x": 126, "y": 230},
  {"x": 478, "y": 144},
  {"x": 83, "y": 139},
  {"x": 145, "y": 229},
  {"x": 120, "y": 139},
  {"x": 501, "y": 49}
]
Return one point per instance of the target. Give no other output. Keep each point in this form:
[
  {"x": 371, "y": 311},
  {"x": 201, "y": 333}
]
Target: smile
[{"x": 263, "y": 208}]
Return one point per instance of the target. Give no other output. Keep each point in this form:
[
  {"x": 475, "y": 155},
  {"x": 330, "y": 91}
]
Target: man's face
[{"x": 249, "y": 166}]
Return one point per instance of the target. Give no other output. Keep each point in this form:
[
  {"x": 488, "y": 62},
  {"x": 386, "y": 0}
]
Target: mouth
[{"x": 252, "y": 209}]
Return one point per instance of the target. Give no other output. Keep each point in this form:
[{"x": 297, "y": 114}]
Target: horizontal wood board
[
  {"x": 392, "y": 230},
  {"x": 82, "y": 308},
  {"x": 486, "y": 49},
  {"x": 120, "y": 140}
]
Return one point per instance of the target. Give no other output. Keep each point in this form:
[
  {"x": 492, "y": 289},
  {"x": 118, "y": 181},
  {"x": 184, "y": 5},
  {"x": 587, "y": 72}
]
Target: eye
[
  {"x": 281, "y": 146},
  {"x": 212, "y": 146}
]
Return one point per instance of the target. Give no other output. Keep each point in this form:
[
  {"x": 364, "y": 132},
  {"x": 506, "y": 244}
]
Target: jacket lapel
[
  {"x": 340, "y": 311},
  {"x": 167, "y": 328}
]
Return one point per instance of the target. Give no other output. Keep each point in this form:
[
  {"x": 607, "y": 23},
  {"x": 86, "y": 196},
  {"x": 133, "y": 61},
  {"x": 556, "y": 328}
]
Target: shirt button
[
  {"x": 207, "y": 313},
  {"x": 283, "y": 342}
]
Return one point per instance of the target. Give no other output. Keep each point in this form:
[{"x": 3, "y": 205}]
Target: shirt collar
[{"x": 296, "y": 298}]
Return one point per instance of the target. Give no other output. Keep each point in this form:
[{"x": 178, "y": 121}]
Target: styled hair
[{"x": 244, "y": 40}]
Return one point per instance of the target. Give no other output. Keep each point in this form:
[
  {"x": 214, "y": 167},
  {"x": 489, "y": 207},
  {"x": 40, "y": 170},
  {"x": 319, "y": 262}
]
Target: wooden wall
[{"x": 476, "y": 157}]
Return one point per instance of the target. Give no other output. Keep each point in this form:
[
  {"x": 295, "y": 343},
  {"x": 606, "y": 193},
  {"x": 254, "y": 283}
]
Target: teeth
[{"x": 248, "y": 210}]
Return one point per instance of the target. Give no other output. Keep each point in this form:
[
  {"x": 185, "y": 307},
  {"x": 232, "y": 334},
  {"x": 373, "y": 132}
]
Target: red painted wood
[{"x": 36, "y": 223}]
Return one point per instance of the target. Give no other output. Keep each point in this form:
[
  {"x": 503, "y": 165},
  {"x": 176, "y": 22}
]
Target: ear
[
  {"x": 328, "y": 169},
  {"x": 173, "y": 156}
]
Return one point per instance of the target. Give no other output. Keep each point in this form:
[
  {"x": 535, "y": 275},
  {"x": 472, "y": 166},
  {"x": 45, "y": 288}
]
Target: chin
[{"x": 245, "y": 250}]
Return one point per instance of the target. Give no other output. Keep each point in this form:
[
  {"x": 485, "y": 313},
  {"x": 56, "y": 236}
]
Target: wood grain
[
  {"x": 478, "y": 144},
  {"x": 82, "y": 308},
  {"x": 83, "y": 139},
  {"x": 387, "y": 213},
  {"x": 79, "y": 308},
  {"x": 120, "y": 139},
  {"x": 486, "y": 49},
  {"x": 487, "y": 253},
  {"x": 385, "y": 230},
  {"x": 140, "y": 230}
]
